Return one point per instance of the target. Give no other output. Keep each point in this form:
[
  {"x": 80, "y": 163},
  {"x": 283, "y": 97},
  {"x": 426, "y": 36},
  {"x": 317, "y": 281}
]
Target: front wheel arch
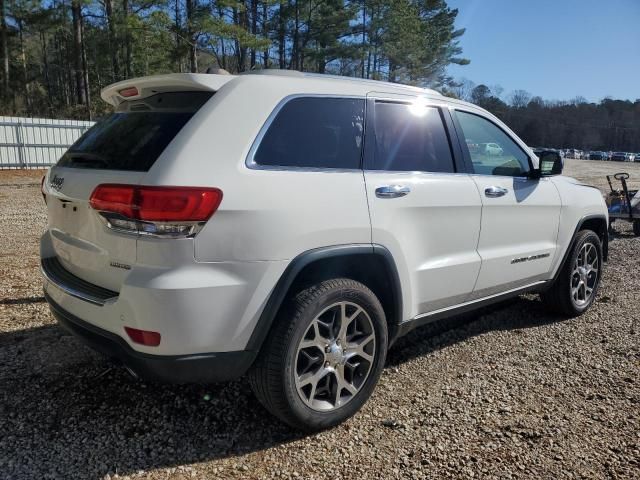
[{"x": 595, "y": 223}]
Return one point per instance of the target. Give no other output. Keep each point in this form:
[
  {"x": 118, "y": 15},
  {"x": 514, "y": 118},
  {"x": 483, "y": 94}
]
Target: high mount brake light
[
  {"x": 128, "y": 92},
  {"x": 157, "y": 211}
]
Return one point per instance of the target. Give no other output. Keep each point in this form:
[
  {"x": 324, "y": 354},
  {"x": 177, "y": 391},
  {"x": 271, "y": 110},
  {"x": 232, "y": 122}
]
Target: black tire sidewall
[{"x": 360, "y": 295}]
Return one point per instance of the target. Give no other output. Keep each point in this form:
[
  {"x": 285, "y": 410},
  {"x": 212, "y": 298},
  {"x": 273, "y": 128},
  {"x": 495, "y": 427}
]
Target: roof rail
[
  {"x": 371, "y": 82},
  {"x": 299, "y": 74}
]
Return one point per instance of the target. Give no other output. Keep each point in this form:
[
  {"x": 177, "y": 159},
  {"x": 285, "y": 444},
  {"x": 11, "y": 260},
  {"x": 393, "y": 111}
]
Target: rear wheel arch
[{"x": 371, "y": 265}]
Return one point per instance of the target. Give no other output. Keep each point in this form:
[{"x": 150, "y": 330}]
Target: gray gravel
[{"x": 510, "y": 392}]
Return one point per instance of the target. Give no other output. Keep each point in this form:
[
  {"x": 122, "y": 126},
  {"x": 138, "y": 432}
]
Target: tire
[
  {"x": 297, "y": 382},
  {"x": 566, "y": 296},
  {"x": 636, "y": 228}
]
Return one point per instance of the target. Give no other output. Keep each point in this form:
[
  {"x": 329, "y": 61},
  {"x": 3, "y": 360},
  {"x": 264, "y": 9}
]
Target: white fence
[{"x": 36, "y": 142}]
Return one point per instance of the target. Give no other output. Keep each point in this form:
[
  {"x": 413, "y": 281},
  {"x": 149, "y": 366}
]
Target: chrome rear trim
[{"x": 57, "y": 275}]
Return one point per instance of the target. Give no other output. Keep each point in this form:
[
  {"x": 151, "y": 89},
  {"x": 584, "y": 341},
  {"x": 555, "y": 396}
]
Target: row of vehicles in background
[{"x": 600, "y": 155}]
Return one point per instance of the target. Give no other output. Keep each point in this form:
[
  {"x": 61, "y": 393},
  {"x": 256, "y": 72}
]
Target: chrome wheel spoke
[
  {"x": 585, "y": 274},
  {"x": 346, "y": 322},
  {"x": 342, "y": 385},
  {"x": 358, "y": 349},
  {"x": 311, "y": 381},
  {"x": 317, "y": 339},
  {"x": 335, "y": 356}
]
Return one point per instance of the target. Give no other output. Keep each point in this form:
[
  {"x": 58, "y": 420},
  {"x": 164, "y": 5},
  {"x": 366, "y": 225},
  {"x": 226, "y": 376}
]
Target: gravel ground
[{"x": 510, "y": 392}]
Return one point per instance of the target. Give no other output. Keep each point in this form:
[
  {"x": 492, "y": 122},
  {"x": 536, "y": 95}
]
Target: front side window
[
  {"x": 316, "y": 132},
  {"x": 491, "y": 150},
  {"x": 410, "y": 138}
]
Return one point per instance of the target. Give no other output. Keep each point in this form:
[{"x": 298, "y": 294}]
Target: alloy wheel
[
  {"x": 584, "y": 276},
  {"x": 335, "y": 356}
]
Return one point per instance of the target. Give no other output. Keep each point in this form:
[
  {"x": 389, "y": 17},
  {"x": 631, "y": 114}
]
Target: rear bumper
[{"x": 193, "y": 368}]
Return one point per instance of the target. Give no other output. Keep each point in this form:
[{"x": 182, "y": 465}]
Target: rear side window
[
  {"x": 315, "y": 132},
  {"x": 133, "y": 137},
  {"x": 410, "y": 138}
]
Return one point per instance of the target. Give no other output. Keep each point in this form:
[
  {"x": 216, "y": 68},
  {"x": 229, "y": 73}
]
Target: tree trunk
[
  {"x": 85, "y": 69},
  {"x": 223, "y": 53},
  {"x": 392, "y": 71},
  {"x": 23, "y": 58},
  {"x": 296, "y": 38},
  {"x": 81, "y": 87},
  {"x": 112, "y": 41},
  {"x": 128, "y": 67},
  {"x": 254, "y": 29},
  {"x": 364, "y": 35},
  {"x": 193, "y": 54},
  {"x": 45, "y": 67},
  {"x": 265, "y": 33},
  {"x": 281, "y": 36},
  {"x": 5, "y": 51},
  {"x": 178, "y": 21}
]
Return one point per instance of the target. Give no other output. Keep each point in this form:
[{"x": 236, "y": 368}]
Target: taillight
[
  {"x": 143, "y": 337},
  {"x": 158, "y": 211},
  {"x": 44, "y": 195}
]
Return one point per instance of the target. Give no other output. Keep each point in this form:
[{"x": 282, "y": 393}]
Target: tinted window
[
  {"x": 135, "y": 135},
  {"x": 314, "y": 132},
  {"x": 410, "y": 138},
  {"x": 492, "y": 151}
]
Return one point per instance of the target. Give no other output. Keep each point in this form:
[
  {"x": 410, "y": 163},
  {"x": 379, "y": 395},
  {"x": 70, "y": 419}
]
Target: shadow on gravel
[
  {"x": 66, "y": 413},
  {"x": 515, "y": 314},
  {"x": 21, "y": 301}
]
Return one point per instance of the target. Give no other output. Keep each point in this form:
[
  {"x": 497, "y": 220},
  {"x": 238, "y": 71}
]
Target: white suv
[{"x": 293, "y": 226}]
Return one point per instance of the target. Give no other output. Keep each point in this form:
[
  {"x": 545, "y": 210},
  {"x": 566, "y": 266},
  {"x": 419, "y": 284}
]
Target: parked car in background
[
  {"x": 619, "y": 157},
  {"x": 637, "y": 157},
  {"x": 493, "y": 149},
  {"x": 597, "y": 156},
  {"x": 631, "y": 157}
]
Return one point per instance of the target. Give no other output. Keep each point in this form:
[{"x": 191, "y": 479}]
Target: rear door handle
[
  {"x": 495, "y": 192},
  {"x": 392, "y": 191}
]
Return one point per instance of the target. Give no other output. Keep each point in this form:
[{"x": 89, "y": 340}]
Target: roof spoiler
[{"x": 143, "y": 87}]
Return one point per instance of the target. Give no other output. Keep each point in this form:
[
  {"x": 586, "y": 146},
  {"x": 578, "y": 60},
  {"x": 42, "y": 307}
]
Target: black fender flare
[
  {"x": 278, "y": 294},
  {"x": 581, "y": 222}
]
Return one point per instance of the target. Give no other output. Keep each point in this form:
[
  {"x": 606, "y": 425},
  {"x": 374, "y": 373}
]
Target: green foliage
[
  {"x": 410, "y": 41},
  {"x": 608, "y": 125}
]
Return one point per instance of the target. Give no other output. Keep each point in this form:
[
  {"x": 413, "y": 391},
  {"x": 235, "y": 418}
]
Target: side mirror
[{"x": 550, "y": 163}]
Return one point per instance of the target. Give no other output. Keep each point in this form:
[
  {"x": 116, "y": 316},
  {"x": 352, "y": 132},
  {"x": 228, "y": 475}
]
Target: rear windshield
[{"x": 133, "y": 137}]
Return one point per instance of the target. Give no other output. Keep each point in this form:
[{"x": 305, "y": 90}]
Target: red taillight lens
[
  {"x": 157, "y": 204},
  {"x": 128, "y": 92},
  {"x": 161, "y": 204},
  {"x": 143, "y": 337},
  {"x": 114, "y": 199}
]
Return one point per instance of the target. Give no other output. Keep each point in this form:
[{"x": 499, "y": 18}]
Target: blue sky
[{"x": 557, "y": 49}]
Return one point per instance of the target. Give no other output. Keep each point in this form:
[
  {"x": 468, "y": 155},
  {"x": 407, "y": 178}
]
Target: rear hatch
[{"x": 119, "y": 149}]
